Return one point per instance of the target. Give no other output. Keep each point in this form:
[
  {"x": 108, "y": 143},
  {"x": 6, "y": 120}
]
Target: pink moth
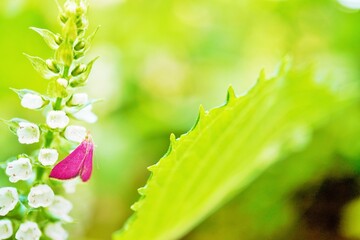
[{"x": 77, "y": 163}]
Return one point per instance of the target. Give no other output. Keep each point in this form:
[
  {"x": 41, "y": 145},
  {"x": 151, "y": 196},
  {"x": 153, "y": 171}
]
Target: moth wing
[
  {"x": 85, "y": 172},
  {"x": 70, "y": 166}
]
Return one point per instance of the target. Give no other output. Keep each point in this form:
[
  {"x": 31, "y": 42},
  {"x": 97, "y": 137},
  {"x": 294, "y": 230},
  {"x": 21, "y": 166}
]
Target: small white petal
[
  {"x": 70, "y": 7},
  {"x": 28, "y": 133},
  {"x": 75, "y": 133},
  {"x": 20, "y": 169},
  {"x": 61, "y": 208},
  {"x": 8, "y": 199},
  {"x": 47, "y": 156},
  {"x": 63, "y": 82},
  {"x": 6, "y": 229},
  {"x": 86, "y": 115},
  {"x": 32, "y": 101},
  {"x": 57, "y": 119},
  {"x": 79, "y": 99},
  {"x": 28, "y": 231},
  {"x": 41, "y": 196},
  {"x": 55, "y": 231}
]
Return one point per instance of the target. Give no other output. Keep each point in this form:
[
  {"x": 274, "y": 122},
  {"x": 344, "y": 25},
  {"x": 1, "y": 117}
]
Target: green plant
[
  {"x": 231, "y": 146},
  {"x": 32, "y": 205}
]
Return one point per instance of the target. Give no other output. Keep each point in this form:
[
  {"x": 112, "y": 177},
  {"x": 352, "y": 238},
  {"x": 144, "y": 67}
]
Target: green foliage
[
  {"x": 228, "y": 148},
  {"x": 51, "y": 39}
]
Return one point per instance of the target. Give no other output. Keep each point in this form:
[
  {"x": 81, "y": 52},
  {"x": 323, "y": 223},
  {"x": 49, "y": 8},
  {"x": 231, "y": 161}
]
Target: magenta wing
[
  {"x": 86, "y": 170},
  {"x": 71, "y": 166}
]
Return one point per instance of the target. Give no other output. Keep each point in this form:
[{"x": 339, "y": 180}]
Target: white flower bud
[
  {"x": 70, "y": 185},
  {"x": 63, "y": 82},
  {"x": 57, "y": 119},
  {"x": 47, "y": 156},
  {"x": 20, "y": 169},
  {"x": 41, "y": 196},
  {"x": 79, "y": 99},
  {"x": 8, "y": 199},
  {"x": 55, "y": 231},
  {"x": 28, "y": 231},
  {"x": 6, "y": 229},
  {"x": 86, "y": 115},
  {"x": 28, "y": 133},
  {"x": 70, "y": 7},
  {"x": 82, "y": 7},
  {"x": 32, "y": 101},
  {"x": 61, "y": 208},
  {"x": 75, "y": 133}
]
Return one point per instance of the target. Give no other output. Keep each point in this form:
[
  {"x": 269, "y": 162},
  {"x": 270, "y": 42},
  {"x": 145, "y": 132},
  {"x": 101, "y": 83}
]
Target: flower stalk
[{"x": 32, "y": 205}]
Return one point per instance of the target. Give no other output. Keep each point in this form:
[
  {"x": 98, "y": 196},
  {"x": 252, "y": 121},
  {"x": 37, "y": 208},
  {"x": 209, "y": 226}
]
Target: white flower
[
  {"x": 61, "y": 208},
  {"x": 41, "y": 196},
  {"x": 20, "y": 169},
  {"x": 55, "y": 231},
  {"x": 8, "y": 199},
  {"x": 48, "y": 156},
  {"x": 28, "y": 133},
  {"x": 86, "y": 115},
  {"x": 75, "y": 133},
  {"x": 6, "y": 229},
  {"x": 70, "y": 185},
  {"x": 28, "y": 231},
  {"x": 32, "y": 101},
  {"x": 79, "y": 99},
  {"x": 57, "y": 119}
]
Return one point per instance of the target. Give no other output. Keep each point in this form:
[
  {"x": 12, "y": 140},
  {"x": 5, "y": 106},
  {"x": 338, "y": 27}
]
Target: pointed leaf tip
[
  {"x": 202, "y": 112},
  {"x": 152, "y": 168},
  {"x": 172, "y": 139},
  {"x": 201, "y": 115},
  {"x": 230, "y": 94},
  {"x": 284, "y": 66},
  {"x": 136, "y": 206},
  {"x": 142, "y": 190},
  {"x": 261, "y": 79},
  {"x": 262, "y": 75}
]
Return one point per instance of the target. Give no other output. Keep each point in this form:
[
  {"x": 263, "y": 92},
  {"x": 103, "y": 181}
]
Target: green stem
[
  {"x": 65, "y": 75},
  {"x": 48, "y": 139},
  {"x": 57, "y": 105},
  {"x": 39, "y": 174},
  {"x": 66, "y": 72}
]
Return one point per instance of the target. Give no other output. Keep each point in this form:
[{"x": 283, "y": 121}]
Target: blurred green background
[{"x": 158, "y": 61}]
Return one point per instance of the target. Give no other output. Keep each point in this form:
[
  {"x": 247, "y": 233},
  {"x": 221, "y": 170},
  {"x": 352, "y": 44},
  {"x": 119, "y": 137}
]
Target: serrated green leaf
[
  {"x": 228, "y": 148},
  {"x": 50, "y": 38}
]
